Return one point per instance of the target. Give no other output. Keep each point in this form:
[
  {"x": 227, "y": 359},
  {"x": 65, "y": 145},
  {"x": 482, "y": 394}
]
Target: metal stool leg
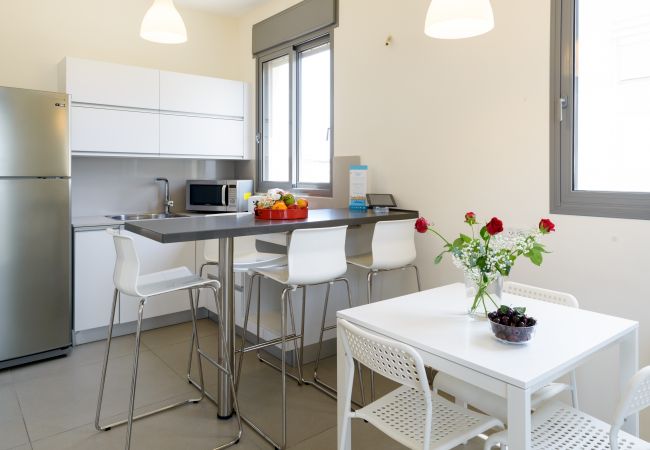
[
  {"x": 297, "y": 356},
  {"x": 105, "y": 364},
  {"x": 283, "y": 320},
  {"x": 417, "y": 277},
  {"x": 371, "y": 276},
  {"x": 245, "y": 329},
  {"x": 135, "y": 374},
  {"x": 195, "y": 336}
]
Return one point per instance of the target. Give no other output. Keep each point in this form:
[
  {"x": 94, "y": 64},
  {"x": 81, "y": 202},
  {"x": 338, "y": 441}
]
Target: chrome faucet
[{"x": 168, "y": 203}]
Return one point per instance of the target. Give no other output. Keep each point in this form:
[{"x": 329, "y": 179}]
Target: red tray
[{"x": 281, "y": 214}]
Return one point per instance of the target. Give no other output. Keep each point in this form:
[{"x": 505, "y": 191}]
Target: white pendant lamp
[
  {"x": 163, "y": 24},
  {"x": 457, "y": 19}
]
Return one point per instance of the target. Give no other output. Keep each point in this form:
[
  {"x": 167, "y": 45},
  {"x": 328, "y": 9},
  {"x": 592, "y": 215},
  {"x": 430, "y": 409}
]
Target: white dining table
[{"x": 435, "y": 322}]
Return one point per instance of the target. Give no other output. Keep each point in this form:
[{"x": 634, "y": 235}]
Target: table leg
[
  {"x": 519, "y": 426},
  {"x": 227, "y": 321},
  {"x": 629, "y": 365},
  {"x": 344, "y": 442}
]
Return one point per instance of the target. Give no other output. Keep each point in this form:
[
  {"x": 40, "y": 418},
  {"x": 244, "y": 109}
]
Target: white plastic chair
[
  {"x": 466, "y": 393},
  {"x": 411, "y": 414},
  {"x": 314, "y": 256},
  {"x": 558, "y": 426},
  {"x": 129, "y": 281}
]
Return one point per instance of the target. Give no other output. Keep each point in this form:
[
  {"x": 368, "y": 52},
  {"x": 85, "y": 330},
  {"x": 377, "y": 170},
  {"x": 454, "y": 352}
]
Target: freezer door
[
  {"x": 33, "y": 134},
  {"x": 35, "y": 261}
]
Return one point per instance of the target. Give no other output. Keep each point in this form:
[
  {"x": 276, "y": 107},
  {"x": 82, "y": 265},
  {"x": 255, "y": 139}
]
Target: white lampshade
[
  {"x": 163, "y": 24},
  {"x": 457, "y": 19}
]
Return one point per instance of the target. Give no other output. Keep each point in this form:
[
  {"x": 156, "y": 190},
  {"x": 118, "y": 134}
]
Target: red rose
[
  {"x": 470, "y": 218},
  {"x": 546, "y": 226},
  {"x": 494, "y": 226},
  {"x": 421, "y": 225}
]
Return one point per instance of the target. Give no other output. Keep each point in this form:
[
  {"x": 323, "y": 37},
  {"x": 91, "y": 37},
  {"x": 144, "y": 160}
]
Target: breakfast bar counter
[{"x": 227, "y": 227}]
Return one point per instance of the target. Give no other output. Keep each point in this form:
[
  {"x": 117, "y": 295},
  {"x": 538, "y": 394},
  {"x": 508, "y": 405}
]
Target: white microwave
[{"x": 218, "y": 195}]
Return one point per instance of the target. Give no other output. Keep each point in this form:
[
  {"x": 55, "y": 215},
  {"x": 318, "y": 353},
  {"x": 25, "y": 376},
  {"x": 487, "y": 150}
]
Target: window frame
[
  {"x": 293, "y": 49},
  {"x": 564, "y": 199}
]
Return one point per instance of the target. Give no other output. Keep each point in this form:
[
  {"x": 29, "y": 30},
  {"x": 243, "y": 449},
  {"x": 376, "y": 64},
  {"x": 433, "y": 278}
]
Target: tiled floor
[{"x": 51, "y": 405}]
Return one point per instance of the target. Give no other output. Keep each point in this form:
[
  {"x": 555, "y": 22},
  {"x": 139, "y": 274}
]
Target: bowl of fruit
[
  {"x": 281, "y": 205},
  {"x": 512, "y": 325}
]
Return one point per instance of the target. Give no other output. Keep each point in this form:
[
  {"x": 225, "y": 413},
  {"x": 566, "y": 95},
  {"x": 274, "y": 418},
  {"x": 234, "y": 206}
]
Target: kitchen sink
[{"x": 145, "y": 216}]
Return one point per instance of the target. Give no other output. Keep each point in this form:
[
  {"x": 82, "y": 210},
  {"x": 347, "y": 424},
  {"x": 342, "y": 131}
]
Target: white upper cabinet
[
  {"x": 185, "y": 93},
  {"x": 201, "y": 137},
  {"x": 111, "y": 84}
]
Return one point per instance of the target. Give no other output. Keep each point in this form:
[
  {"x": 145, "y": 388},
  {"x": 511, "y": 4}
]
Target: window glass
[
  {"x": 276, "y": 118},
  {"x": 612, "y": 96},
  {"x": 314, "y": 123}
]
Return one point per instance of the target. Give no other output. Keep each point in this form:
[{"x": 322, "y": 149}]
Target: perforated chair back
[
  {"x": 387, "y": 357},
  {"x": 635, "y": 398},
  {"x": 537, "y": 293},
  {"x": 393, "y": 244},
  {"x": 127, "y": 264},
  {"x": 316, "y": 255}
]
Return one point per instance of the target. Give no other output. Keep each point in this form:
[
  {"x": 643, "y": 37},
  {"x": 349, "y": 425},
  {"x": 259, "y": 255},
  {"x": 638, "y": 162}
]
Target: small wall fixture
[
  {"x": 457, "y": 19},
  {"x": 163, "y": 24}
]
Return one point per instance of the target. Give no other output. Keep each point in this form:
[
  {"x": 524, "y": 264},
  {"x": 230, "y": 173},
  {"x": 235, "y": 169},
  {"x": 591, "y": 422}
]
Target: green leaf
[
  {"x": 480, "y": 261},
  {"x": 521, "y": 310},
  {"x": 438, "y": 258},
  {"x": 458, "y": 243},
  {"x": 465, "y": 238},
  {"x": 536, "y": 257},
  {"x": 484, "y": 234},
  {"x": 504, "y": 309}
]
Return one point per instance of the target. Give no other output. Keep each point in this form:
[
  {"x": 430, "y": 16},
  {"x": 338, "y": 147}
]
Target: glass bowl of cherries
[{"x": 512, "y": 325}]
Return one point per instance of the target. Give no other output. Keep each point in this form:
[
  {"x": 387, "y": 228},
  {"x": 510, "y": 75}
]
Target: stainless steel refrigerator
[{"x": 35, "y": 233}]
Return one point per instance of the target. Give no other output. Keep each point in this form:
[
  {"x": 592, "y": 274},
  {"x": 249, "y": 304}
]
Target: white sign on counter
[{"x": 358, "y": 187}]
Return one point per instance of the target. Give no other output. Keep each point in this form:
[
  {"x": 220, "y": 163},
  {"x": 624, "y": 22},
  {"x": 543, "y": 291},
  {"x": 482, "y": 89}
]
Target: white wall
[
  {"x": 452, "y": 126},
  {"x": 35, "y": 35}
]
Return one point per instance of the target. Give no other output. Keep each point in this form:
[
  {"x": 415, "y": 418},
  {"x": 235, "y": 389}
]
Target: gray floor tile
[
  {"x": 5, "y": 377},
  {"x": 12, "y": 427},
  {"x": 23, "y": 447},
  {"x": 80, "y": 355},
  {"x": 173, "y": 334},
  {"x": 68, "y": 399}
]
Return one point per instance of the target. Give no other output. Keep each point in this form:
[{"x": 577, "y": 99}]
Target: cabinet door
[
  {"x": 201, "y": 136},
  {"x": 202, "y": 95},
  {"x": 111, "y": 84},
  {"x": 98, "y": 130},
  {"x": 154, "y": 257},
  {"x": 94, "y": 261}
]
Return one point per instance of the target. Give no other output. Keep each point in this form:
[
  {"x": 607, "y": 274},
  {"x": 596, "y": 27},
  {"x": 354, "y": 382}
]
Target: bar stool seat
[{"x": 169, "y": 280}]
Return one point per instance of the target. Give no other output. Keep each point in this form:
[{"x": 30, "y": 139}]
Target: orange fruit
[
  {"x": 302, "y": 203},
  {"x": 279, "y": 205}
]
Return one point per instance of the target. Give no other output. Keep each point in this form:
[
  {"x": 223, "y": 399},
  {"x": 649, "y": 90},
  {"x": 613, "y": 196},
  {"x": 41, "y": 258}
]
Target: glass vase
[{"x": 482, "y": 296}]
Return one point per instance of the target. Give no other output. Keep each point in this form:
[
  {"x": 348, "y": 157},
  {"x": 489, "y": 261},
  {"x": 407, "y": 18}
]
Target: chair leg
[
  {"x": 105, "y": 364},
  {"x": 189, "y": 358},
  {"x": 228, "y": 369},
  {"x": 574, "y": 390},
  {"x": 135, "y": 374},
  {"x": 283, "y": 320},
  {"x": 195, "y": 337},
  {"x": 417, "y": 277},
  {"x": 297, "y": 355},
  {"x": 245, "y": 329}
]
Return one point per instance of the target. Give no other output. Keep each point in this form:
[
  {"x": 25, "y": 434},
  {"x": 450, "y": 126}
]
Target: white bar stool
[
  {"x": 129, "y": 281},
  {"x": 466, "y": 393},
  {"x": 393, "y": 248},
  {"x": 411, "y": 414},
  {"x": 558, "y": 426},
  {"x": 315, "y": 256}
]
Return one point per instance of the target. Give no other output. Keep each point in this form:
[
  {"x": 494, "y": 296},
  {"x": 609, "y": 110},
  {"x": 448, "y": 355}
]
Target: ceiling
[{"x": 223, "y": 7}]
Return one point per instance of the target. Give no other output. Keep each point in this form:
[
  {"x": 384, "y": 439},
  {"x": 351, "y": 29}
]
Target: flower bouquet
[{"x": 487, "y": 256}]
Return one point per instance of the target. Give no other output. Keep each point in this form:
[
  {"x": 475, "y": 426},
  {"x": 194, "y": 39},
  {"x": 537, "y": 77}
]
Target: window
[
  {"x": 600, "y": 108},
  {"x": 294, "y": 132}
]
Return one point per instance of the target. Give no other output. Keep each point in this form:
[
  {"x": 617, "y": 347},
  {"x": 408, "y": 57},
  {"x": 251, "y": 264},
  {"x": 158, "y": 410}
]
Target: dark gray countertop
[{"x": 245, "y": 224}]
